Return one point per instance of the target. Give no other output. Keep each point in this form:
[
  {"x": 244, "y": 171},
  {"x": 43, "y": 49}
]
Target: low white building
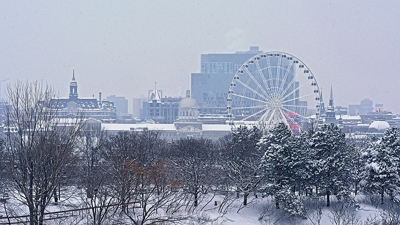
[{"x": 187, "y": 125}]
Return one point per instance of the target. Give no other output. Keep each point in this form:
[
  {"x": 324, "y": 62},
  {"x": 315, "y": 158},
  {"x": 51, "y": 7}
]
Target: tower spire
[
  {"x": 73, "y": 88},
  {"x": 331, "y": 92}
]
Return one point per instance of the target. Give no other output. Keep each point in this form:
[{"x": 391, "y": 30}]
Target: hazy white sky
[{"x": 123, "y": 47}]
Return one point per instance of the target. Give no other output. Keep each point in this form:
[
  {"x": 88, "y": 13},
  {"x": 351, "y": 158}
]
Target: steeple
[
  {"x": 321, "y": 102},
  {"x": 330, "y": 112},
  {"x": 73, "y": 88}
]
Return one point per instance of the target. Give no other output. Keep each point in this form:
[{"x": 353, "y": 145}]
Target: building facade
[
  {"x": 161, "y": 109},
  {"x": 120, "y": 103},
  {"x": 73, "y": 106}
]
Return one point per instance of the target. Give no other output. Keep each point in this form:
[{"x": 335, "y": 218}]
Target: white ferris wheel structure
[{"x": 272, "y": 88}]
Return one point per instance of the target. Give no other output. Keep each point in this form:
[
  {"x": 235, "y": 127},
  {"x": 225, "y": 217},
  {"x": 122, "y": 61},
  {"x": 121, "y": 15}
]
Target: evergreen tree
[
  {"x": 282, "y": 158},
  {"x": 330, "y": 161},
  {"x": 382, "y": 168}
]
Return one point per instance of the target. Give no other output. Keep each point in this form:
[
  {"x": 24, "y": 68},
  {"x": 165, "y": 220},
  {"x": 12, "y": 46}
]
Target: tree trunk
[
  {"x": 245, "y": 198},
  {"x": 382, "y": 193},
  {"x": 195, "y": 199},
  {"x": 355, "y": 188},
  {"x": 328, "y": 201},
  {"x": 276, "y": 203},
  {"x": 55, "y": 196}
]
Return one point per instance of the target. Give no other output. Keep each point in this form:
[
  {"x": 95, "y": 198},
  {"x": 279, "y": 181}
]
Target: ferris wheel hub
[{"x": 274, "y": 104}]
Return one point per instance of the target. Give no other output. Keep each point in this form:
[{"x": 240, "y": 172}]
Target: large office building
[{"x": 210, "y": 87}]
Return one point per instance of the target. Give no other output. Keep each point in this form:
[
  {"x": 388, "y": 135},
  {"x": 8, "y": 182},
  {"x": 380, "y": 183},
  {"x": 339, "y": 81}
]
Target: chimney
[{"x": 187, "y": 93}]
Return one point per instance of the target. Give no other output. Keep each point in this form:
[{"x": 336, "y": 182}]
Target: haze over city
[{"x": 122, "y": 48}]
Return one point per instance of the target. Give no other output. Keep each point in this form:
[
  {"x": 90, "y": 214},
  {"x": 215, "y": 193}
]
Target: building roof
[
  {"x": 378, "y": 126},
  {"x": 188, "y": 103},
  {"x": 137, "y": 126},
  {"x": 160, "y": 127}
]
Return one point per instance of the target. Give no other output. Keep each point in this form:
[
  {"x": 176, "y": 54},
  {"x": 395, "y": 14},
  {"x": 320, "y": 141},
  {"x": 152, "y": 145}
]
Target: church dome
[
  {"x": 378, "y": 126},
  {"x": 188, "y": 103}
]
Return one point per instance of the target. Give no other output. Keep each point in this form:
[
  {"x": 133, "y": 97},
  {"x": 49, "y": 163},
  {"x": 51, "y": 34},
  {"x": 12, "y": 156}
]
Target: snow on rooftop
[
  {"x": 161, "y": 127},
  {"x": 379, "y": 125},
  {"x": 348, "y": 117},
  {"x": 127, "y": 127},
  {"x": 216, "y": 127}
]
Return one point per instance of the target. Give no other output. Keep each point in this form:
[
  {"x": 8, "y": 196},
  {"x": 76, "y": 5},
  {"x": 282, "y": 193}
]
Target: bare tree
[
  {"x": 39, "y": 145},
  {"x": 96, "y": 182},
  {"x": 241, "y": 160},
  {"x": 194, "y": 161},
  {"x": 314, "y": 206},
  {"x": 390, "y": 213},
  {"x": 341, "y": 213},
  {"x": 141, "y": 181}
]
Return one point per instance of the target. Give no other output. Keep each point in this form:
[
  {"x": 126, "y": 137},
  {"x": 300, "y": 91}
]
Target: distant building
[
  {"x": 340, "y": 110},
  {"x": 3, "y": 110},
  {"x": 159, "y": 109},
  {"x": 187, "y": 123},
  {"x": 365, "y": 107},
  {"x": 90, "y": 107},
  {"x": 120, "y": 103},
  {"x": 210, "y": 87},
  {"x": 137, "y": 107},
  {"x": 378, "y": 127},
  {"x": 330, "y": 115},
  {"x": 379, "y": 107}
]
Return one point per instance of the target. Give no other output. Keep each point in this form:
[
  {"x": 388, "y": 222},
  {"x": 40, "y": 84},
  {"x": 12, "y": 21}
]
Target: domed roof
[
  {"x": 378, "y": 126},
  {"x": 188, "y": 103}
]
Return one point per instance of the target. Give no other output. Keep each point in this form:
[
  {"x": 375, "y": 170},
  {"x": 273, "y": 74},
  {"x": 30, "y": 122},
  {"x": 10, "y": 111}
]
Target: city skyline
[{"x": 123, "y": 48}]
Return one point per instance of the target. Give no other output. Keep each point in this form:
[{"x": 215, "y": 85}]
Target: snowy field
[{"x": 214, "y": 210}]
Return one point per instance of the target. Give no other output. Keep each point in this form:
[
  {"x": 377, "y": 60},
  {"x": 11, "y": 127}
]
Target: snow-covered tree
[
  {"x": 282, "y": 163},
  {"x": 382, "y": 168},
  {"x": 330, "y": 158}
]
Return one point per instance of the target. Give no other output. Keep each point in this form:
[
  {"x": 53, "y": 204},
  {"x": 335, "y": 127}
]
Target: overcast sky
[{"x": 123, "y": 47}]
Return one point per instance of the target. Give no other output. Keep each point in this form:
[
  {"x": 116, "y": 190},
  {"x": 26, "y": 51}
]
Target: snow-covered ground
[{"x": 214, "y": 211}]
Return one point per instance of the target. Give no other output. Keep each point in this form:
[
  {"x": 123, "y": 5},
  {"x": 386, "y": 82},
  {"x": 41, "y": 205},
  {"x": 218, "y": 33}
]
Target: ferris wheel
[{"x": 272, "y": 88}]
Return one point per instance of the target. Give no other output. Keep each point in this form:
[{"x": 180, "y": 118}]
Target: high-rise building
[
  {"x": 210, "y": 87},
  {"x": 137, "y": 107},
  {"x": 120, "y": 103}
]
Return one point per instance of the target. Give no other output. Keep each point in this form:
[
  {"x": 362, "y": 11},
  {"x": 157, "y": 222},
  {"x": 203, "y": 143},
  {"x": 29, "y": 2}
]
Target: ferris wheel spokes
[
  {"x": 267, "y": 88},
  {"x": 254, "y": 91}
]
